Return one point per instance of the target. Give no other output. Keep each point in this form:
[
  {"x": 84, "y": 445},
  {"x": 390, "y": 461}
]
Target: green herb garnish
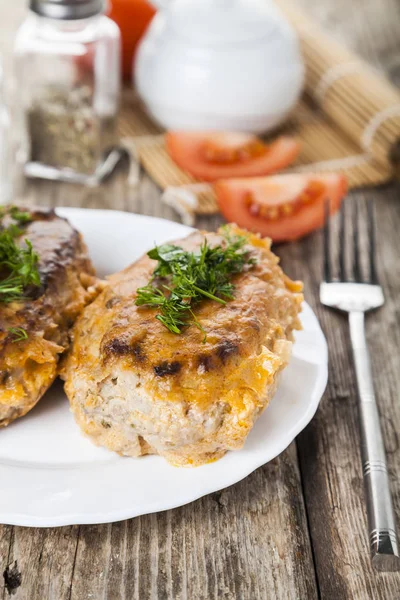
[
  {"x": 19, "y": 334},
  {"x": 18, "y": 265},
  {"x": 21, "y": 217},
  {"x": 182, "y": 279}
]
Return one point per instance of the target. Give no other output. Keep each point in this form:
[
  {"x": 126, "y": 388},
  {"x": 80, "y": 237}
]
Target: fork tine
[
  {"x": 327, "y": 244},
  {"x": 342, "y": 238},
  {"x": 372, "y": 244},
  {"x": 356, "y": 245}
]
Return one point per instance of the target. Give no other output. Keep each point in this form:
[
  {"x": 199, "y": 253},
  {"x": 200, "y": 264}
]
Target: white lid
[{"x": 225, "y": 21}]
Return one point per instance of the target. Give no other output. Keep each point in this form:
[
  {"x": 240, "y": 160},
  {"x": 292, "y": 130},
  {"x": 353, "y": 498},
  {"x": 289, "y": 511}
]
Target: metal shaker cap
[{"x": 67, "y": 9}]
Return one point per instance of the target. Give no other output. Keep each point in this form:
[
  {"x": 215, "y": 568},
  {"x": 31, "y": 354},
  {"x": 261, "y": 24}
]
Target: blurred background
[
  {"x": 355, "y": 23},
  {"x": 322, "y": 75}
]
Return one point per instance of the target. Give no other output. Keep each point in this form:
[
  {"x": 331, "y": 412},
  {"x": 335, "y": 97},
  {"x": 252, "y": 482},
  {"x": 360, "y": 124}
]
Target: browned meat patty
[
  {"x": 136, "y": 388},
  {"x": 68, "y": 283}
]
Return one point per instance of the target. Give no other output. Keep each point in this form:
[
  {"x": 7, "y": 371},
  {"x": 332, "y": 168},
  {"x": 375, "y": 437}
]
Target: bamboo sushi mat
[{"x": 348, "y": 121}]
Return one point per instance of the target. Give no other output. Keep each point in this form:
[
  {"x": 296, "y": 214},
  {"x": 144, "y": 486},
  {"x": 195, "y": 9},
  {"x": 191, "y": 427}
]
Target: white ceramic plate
[{"x": 51, "y": 475}]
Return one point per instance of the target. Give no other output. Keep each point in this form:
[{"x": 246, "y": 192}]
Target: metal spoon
[{"x": 113, "y": 160}]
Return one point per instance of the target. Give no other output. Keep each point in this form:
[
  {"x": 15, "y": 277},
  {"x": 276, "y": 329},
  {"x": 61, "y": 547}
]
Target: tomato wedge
[
  {"x": 209, "y": 156},
  {"x": 282, "y": 207}
]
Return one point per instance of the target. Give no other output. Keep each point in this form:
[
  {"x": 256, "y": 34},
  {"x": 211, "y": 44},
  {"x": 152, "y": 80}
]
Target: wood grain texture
[
  {"x": 45, "y": 561},
  {"x": 252, "y": 540},
  {"x": 248, "y": 541},
  {"x": 329, "y": 447},
  {"x": 232, "y": 544}
]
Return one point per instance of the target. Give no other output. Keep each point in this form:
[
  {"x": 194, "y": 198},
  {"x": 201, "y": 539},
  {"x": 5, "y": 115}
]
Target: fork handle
[{"x": 381, "y": 521}]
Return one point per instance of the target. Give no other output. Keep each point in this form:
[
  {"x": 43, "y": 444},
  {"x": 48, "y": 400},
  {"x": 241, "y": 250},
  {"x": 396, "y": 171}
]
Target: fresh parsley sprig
[
  {"x": 18, "y": 264},
  {"x": 22, "y": 217},
  {"x": 182, "y": 279},
  {"x": 18, "y": 334}
]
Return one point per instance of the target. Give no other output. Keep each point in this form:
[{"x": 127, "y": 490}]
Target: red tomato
[
  {"x": 132, "y": 17},
  {"x": 209, "y": 156},
  {"x": 282, "y": 207}
]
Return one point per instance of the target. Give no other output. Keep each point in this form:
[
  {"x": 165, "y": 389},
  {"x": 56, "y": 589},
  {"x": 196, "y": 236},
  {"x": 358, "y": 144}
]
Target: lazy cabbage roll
[
  {"x": 181, "y": 351},
  {"x": 46, "y": 279}
]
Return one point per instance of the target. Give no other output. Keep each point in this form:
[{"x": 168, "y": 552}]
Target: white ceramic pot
[{"x": 219, "y": 64}]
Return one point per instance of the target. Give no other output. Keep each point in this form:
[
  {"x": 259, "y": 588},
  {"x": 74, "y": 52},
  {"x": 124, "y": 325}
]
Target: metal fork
[{"x": 354, "y": 295}]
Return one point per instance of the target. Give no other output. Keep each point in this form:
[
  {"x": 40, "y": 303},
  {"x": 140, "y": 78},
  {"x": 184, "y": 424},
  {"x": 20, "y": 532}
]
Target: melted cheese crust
[
  {"x": 28, "y": 367},
  {"x": 247, "y": 345}
]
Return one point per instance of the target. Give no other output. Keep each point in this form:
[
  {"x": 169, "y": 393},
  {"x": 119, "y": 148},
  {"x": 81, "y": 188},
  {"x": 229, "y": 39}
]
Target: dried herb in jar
[{"x": 66, "y": 132}]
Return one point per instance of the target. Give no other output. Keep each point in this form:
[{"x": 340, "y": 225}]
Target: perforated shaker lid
[{"x": 67, "y": 9}]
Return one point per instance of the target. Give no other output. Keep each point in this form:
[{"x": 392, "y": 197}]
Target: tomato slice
[
  {"x": 209, "y": 156},
  {"x": 282, "y": 207}
]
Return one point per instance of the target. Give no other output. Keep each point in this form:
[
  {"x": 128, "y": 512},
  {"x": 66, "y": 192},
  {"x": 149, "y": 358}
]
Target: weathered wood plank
[
  {"x": 329, "y": 447},
  {"x": 6, "y": 534},
  {"x": 45, "y": 559},
  {"x": 248, "y": 541}
]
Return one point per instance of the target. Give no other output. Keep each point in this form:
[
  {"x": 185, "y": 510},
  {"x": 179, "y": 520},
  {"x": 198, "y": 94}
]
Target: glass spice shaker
[{"x": 67, "y": 62}]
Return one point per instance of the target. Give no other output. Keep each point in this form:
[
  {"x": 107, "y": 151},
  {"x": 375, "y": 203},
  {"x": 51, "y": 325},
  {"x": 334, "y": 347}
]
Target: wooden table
[{"x": 295, "y": 528}]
